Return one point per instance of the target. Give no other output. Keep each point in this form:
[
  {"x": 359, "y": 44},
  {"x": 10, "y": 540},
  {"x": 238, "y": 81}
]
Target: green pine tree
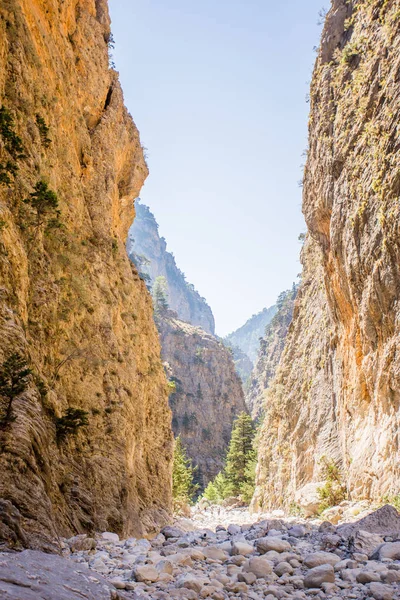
[
  {"x": 160, "y": 294},
  {"x": 183, "y": 488},
  {"x": 241, "y": 454},
  {"x": 238, "y": 476}
]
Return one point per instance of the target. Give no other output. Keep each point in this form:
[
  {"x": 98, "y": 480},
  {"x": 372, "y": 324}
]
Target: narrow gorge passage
[{"x": 155, "y": 444}]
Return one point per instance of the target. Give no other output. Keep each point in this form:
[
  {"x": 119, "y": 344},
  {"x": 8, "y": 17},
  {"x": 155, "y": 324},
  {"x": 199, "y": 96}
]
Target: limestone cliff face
[
  {"x": 208, "y": 393},
  {"x": 271, "y": 347},
  {"x": 70, "y": 301},
  {"x": 247, "y": 337},
  {"x": 144, "y": 241},
  {"x": 336, "y": 392}
]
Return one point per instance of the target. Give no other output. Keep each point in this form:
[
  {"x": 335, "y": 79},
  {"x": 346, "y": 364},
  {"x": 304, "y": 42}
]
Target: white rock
[
  {"x": 388, "y": 550},
  {"x": 215, "y": 553},
  {"x": 110, "y": 537}
]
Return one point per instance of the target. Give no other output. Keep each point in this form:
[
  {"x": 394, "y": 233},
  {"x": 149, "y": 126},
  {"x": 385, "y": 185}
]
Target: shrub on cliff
[
  {"x": 333, "y": 492},
  {"x": 14, "y": 374}
]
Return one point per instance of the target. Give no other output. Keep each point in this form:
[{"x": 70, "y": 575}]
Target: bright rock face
[
  {"x": 336, "y": 391},
  {"x": 207, "y": 396},
  {"x": 144, "y": 240},
  {"x": 70, "y": 301}
]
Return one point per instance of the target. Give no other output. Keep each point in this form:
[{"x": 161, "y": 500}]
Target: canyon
[
  {"x": 206, "y": 392},
  {"x": 97, "y": 376}
]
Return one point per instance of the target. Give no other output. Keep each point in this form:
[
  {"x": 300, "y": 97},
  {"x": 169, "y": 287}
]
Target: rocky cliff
[
  {"x": 85, "y": 425},
  {"x": 247, "y": 337},
  {"x": 336, "y": 392},
  {"x": 272, "y": 345},
  {"x": 144, "y": 241},
  {"x": 207, "y": 393}
]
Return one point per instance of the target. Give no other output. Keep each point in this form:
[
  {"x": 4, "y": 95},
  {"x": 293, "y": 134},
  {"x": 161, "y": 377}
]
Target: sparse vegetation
[
  {"x": 14, "y": 379},
  {"x": 43, "y": 131},
  {"x": 12, "y": 144},
  {"x": 44, "y": 204},
  {"x": 334, "y": 491},
  {"x": 71, "y": 422}
]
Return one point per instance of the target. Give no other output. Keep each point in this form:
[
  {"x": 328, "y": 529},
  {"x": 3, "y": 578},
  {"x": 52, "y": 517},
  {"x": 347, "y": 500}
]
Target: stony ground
[{"x": 221, "y": 554}]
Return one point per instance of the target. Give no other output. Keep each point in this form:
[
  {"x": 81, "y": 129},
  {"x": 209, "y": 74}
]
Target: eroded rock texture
[
  {"x": 208, "y": 393},
  {"x": 272, "y": 345},
  {"x": 336, "y": 392},
  {"x": 70, "y": 301},
  {"x": 144, "y": 242}
]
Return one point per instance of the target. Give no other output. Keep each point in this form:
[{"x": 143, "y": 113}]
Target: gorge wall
[
  {"x": 247, "y": 337},
  {"x": 272, "y": 345},
  {"x": 336, "y": 391},
  {"x": 208, "y": 393},
  {"x": 71, "y": 303},
  {"x": 144, "y": 242}
]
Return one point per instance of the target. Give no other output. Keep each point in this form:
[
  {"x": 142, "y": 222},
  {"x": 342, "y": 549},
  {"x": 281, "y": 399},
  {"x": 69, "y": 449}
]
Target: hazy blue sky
[{"x": 217, "y": 90}]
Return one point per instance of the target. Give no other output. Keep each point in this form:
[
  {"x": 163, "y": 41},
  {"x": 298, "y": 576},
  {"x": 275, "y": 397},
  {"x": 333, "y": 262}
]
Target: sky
[{"x": 218, "y": 92}]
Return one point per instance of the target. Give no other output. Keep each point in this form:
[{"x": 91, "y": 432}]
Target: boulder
[
  {"x": 169, "y": 531},
  {"x": 389, "y": 550},
  {"x": 145, "y": 573},
  {"x": 320, "y": 558},
  {"x": 266, "y": 544},
  {"x": 242, "y": 548},
  {"x": 108, "y": 536},
  {"x": 259, "y": 566},
  {"x": 215, "y": 553},
  {"x": 364, "y": 542},
  {"x": 308, "y": 498},
  {"x": 30, "y": 575},
  {"x": 380, "y": 591},
  {"x": 319, "y": 575},
  {"x": 385, "y": 521}
]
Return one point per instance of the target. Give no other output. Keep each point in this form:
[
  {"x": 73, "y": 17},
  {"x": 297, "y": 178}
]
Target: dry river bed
[{"x": 219, "y": 554}]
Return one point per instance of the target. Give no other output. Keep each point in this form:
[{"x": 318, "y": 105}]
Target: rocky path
[{"x": 223, "y": 554}]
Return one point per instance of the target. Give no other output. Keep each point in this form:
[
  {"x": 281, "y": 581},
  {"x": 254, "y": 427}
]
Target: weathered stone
[
  {"x": 308, "y": 498},
  {"x": 320, "y": 558},
  {"x": 169, "y": 531},
  {"x": 259, "y": 566},
  {"x": 380, "y": 591},
  {"x": 365, "y": 542},
  {"x": 110, "y": 537},
  {"x": 266, "y": 544},
  {"x": 282, "y": 568},
  {"x": 242, "y": 548},
  {"x": 215, "y": 553},
  {"x": 319, "y": 575},
  {"x": 367, "y": 577},
  {"x": 145, "y": 573},
  {"x": 30, "y": 575},
  {"x": 388, "y": 550}
]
